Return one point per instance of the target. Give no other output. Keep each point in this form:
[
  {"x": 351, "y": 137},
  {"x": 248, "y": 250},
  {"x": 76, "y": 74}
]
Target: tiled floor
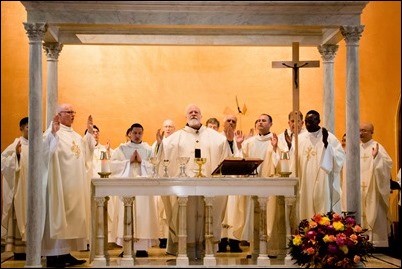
[{"x": 159, "y": 258}]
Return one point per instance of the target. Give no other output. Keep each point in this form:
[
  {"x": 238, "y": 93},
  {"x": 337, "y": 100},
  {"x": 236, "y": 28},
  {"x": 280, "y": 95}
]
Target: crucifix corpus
[{"x": 295, "y": 64}]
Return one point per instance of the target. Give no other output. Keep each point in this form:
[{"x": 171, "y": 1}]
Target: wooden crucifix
[{"x": 295, "y": 64}]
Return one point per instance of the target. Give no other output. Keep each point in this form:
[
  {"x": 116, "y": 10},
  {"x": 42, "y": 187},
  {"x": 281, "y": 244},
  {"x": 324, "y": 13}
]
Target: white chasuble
[
  {"x": 214, "y": 147},
  {"x": 145, "y": 207},
  {"x": 319, "y": 175},
  {"x": 67, "y": 186},
  {"x": 260, "y": 146},
  {"x": 375, "y": 191}
]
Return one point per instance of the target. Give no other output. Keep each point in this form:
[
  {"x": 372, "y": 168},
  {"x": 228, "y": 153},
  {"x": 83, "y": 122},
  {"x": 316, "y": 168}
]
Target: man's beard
[{"x": 195, "y": 123}]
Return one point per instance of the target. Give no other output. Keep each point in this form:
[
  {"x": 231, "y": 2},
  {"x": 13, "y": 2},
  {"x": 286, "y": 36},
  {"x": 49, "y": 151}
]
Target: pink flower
[
  {"x": 332, "y": 248},
  {"x": 358, "y": 229},
  {"x": 356, "y": 259},
  {"x": 311, "y": 234},
  {"x": 312, "y": 224},
  {"x": 310, "y": 251}
]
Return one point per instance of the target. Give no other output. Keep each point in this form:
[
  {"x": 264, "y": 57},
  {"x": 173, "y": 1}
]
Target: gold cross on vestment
[
  {"x": 310, "y": 152},
  {"x": 75, "y": 149},
  {"x": 295, "y": 64},
  {"x": 365, "y": 157}
]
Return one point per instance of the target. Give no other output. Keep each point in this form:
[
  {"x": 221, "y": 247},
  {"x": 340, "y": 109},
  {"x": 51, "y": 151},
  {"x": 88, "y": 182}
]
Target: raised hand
[
  {"x": 90, "y": 124},
  {"x": 56, "y": 124},
  {"x": 325, "y": 137},
  {"x": 274, "y": 141},
  {"x": 288, "y": 139},
  {"x": 159, "y": 136},
  {"x": 18, "y": 148},
  {"x": 374, "y": 151}
]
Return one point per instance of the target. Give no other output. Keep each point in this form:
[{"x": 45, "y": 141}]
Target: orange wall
[{"x": 120, "y": 85}]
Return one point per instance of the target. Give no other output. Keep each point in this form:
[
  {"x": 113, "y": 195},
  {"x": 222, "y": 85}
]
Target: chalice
[
  {"x": 200, "y": 162},
  {"x": 165, "y": 168},
  {"x": 183, "y": 161},
  {"x": 154, "y": 161}
]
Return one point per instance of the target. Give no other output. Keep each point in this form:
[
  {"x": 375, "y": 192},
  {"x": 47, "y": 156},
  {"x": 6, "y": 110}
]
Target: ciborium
[
  {"x": 183, "y": 161},
  {"x": 200, "y": 162}
]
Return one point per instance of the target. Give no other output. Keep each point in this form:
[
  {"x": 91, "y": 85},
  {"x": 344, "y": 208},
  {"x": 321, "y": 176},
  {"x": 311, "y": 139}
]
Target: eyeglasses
[{"x": 69, "y": 112}]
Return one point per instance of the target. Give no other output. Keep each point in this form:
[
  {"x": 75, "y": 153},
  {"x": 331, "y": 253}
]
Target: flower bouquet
[{"x": 330, "y": 241}]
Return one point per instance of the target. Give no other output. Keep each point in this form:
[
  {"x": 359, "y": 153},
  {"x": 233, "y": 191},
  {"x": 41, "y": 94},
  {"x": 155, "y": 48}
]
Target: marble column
[
  {"x": 328, "y": 54},
  {"x": 352, "y": 36},
  {"x": 100, "y": 257},
  {"x": 209, "y": 259},
  {"x": 128, "y": 235},
  {"x": 182, "y": 258},
  {"x": 263, "y": 259},
  {"x": 35, "y": 32},
  {"x": 52, "y": 51}
]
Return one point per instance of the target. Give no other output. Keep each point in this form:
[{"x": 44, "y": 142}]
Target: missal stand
[{"x": 237, "y": 166}]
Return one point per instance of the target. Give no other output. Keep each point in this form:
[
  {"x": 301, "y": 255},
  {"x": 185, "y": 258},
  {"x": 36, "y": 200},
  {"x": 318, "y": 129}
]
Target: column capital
[
  {"x": 352, "y": 33},
  {"x": 35, "y": 31},
  {"x": 128, "y": 201},
  {"x": 182, "y": 200},
  {"x": 52, "y": 50},
  {"x": 100, "y": 201},
  {"x": 328, "y": 52}
]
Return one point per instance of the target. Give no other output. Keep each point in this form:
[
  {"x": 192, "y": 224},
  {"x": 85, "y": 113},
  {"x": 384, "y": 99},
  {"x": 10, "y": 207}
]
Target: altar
[{"x": 128, "y": 188}]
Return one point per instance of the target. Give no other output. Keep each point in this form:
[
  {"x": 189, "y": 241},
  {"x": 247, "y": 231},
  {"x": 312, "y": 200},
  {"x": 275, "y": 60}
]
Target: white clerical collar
[
  {"x": 192, "y": 130},
  {"x": 316, "y": 133},
  {"x": 66, "y": 128},
  {"x": 23, "y": 140},
  {"x": 265, "y": 134}
]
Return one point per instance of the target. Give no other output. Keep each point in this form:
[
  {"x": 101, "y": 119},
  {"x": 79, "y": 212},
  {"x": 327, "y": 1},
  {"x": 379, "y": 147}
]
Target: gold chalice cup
[{"x": 200, "y": 162}]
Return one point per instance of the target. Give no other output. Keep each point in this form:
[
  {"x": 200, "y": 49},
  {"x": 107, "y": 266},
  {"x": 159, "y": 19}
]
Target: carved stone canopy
[{"x": 239, "y": 23}]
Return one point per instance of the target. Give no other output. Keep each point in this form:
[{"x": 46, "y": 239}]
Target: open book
[{"x": 237, "y": 166}]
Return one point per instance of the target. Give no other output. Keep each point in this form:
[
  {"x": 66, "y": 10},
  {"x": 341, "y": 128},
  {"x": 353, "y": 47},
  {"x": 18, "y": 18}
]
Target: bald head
[
  {"x": 366, "y": 131},
  {"x": 193, "y": 114},
  {"x": 168, "y": 127}
]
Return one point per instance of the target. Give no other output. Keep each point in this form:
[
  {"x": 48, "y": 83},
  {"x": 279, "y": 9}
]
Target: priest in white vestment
[
  {"x": 286, "y": 143},
  {"x": 286, "y": 139},
  {"x": 264, "y": 145},
  {"x": 194, "y": 140},
  {"x": 235, "y": 208},
  {"x": 131, "y": 160},
  {"x": 94, "y": 167},
  {"x": 66, "y": 224},
  {"x": 14, "y": 169},
  {"x": 168, "y": 128},
  {"x": 320, "y": 157},
  {"x": 375, "y": 173}
]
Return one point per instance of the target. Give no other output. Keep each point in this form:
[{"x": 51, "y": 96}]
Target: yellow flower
[
  {"x": 344, "y": 248},
  {"x": 324, "y": 221},
  {"x": 297, "y": 240},
  {"x": 329, "y": 238},
  {"x": 312, "y": 224},
  {"x": 338, "y": 226}
]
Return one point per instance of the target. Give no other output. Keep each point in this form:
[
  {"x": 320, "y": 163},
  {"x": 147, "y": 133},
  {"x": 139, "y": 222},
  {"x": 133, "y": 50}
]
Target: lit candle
[
  {"x": 105, "y": 167},
  {"x": 285, "y": 167}
]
